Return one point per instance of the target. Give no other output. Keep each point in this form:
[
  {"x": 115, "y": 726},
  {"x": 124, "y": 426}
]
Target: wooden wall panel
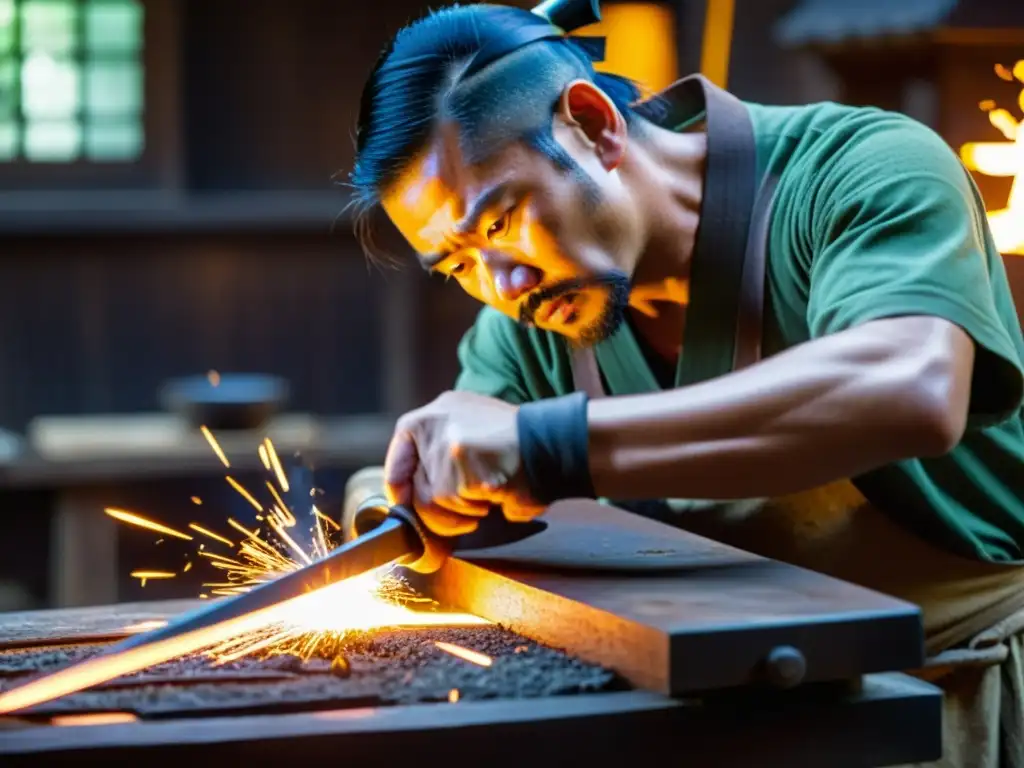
[{"x": 95, "y": 325}]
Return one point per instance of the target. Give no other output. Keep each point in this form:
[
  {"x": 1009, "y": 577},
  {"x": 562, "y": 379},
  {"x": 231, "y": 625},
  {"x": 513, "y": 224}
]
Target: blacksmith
[{"x": 785, "y": 328}]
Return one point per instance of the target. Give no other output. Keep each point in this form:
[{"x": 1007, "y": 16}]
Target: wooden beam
[
  {"x": 676, "y": 613},
  {"x": 891, "y": 720}
]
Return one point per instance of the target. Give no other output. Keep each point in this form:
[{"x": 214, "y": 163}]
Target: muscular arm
[{"x": 834, "y": 407}]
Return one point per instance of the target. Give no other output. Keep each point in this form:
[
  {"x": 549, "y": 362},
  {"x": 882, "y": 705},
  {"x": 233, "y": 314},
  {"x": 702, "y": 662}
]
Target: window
[{"x": 71, "y": 81}]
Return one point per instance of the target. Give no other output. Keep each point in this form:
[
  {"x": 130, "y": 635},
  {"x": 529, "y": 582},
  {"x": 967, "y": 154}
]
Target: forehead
[{"x": 438, "y": 188}]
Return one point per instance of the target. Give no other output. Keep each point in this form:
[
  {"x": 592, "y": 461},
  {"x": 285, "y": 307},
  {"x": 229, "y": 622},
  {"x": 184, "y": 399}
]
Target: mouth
[{"x": 560, "y": 309}]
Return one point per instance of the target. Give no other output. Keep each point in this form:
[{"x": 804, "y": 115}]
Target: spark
[
  {"x": 326, "y": 519},
  {"x": 466, "y": 654},
  {"x": 216, "y": 537},
  {"x": 196, "y": 500},
  {"x": 244, "y": 493},
  {"x": 279, "y": 530},
  {"x": 215, "y": 445},
  {"x": 275, "y": 462},
  {"x": 142, "y": 522},
  {"x": 277, "y": 497},
  {"x": 144, "y": 576},
  {"x": 264, "y": 458},
  {"x": 319, "y": 622},
  {"x": 187, "y": 568},
  {"x": 94, "y": 718},
  {"x": 144, "y": 626},
  {"x": 453, "y": 695},
  {"x": 213, "y": 377}
]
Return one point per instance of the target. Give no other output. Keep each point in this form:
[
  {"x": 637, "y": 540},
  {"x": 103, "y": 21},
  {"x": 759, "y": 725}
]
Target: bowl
[{"x": 235, "y": 401}]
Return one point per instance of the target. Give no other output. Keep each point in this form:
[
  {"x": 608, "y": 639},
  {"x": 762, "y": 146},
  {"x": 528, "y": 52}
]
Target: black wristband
[{"x": 553, "y": 443}]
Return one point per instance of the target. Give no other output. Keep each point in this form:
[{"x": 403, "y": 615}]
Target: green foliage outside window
[{"x": 71, "y": 80}]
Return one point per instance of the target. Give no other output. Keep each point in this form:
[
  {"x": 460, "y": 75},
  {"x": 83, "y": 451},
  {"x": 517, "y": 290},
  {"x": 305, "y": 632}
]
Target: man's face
[{"x": 547, "y": 247}]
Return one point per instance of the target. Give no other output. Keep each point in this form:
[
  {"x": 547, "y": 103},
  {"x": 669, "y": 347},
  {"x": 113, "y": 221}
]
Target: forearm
[{"x": 832, "y": 408}]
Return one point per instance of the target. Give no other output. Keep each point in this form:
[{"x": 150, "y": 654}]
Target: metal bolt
[{"x": 785, "y": 667}]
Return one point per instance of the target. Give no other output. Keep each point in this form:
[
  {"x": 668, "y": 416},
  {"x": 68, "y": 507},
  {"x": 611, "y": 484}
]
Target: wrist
[{"x": 554, "y": 447}]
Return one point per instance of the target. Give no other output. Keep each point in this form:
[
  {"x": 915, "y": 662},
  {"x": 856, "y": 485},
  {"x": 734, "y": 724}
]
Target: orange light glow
[
  {"x": 290, "y": 627},
  {"x": 1002, "y": 159},
  {"x": 133, "y": 519},
  {"x": 144, "y": 626},
  {"x": 216, "y": 537},
  {"x": 641, "y": 43},
  {"x": 94, "y": 718},
  {"x": 244, "y": 493},
  {"x": 466, "y": 654},
  {"x": 275, "y": 462},
  {"x": 215, "y": 445},
  {"x": 214, "y": 378},
  {"x": 315, "y": 622}
]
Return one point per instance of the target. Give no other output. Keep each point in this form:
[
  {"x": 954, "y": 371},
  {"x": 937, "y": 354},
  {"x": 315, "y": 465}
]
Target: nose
[{"x": 512, "y": 280}]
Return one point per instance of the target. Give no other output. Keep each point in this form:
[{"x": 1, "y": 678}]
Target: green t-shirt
[{"x": 873, "y": 217}]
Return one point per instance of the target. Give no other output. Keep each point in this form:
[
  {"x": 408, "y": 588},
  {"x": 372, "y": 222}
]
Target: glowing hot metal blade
[{"x": 389, "y": 541}]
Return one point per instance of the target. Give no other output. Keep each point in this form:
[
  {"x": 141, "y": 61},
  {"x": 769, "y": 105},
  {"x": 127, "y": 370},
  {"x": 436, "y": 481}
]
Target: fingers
[
  {"x": 443, "y": 522},
  {"x": 518, "y": 512},
  {"x": 439, "y": 519},
  {"x": 400, "y": 466}
]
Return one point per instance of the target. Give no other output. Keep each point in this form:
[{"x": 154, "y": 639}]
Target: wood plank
[
  {"x": 674, "y": 612},
  {"x": 891, "y": 720}
]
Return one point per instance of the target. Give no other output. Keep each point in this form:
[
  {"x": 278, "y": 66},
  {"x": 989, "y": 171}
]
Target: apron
[{"x": 973, "y": 612}]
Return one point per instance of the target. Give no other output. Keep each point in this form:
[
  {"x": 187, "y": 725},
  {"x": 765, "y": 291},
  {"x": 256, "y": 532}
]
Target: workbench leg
[{"x": 83, "y": 550}]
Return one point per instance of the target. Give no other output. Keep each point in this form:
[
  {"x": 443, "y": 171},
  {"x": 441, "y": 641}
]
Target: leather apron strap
[{"x": 725, "y": 318}]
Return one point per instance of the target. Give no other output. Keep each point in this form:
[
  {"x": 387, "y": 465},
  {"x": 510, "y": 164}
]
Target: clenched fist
[{"x": 455, "y": 458}]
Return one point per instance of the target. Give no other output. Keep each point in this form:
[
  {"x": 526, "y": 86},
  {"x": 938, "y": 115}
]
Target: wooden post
[
  {"x": 717, "y": 43},
  {"x": 399, "y": 315},
  {"x": 83, "y": 550}
]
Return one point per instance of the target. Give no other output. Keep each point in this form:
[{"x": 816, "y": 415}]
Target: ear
[{"x": 584, "y": 105}]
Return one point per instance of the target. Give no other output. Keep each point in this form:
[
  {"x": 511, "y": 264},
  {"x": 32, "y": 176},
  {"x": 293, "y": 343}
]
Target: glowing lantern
[{"x": 1003, "y": 158}]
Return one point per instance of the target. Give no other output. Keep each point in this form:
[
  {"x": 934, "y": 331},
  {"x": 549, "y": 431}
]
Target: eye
[
  {"x": 458, "y": 268},
  {"x": 500, "y": 227}
]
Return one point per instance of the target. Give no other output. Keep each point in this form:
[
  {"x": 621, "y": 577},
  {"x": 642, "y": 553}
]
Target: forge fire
[{"x": 378, "y": 668}]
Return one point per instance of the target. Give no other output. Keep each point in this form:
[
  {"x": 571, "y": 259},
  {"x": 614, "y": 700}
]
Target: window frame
[{"x": 156, "y": 167}]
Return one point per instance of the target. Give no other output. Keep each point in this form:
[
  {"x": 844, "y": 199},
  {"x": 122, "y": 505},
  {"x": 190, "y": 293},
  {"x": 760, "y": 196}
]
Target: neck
[{"x": 667, "y": 174}]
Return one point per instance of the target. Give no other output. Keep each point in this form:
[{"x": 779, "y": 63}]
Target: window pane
[
  {"x": 114, "y": 140},
  {"x": 6, "y": 25},
  {"x": 113, "y": 88},
  {"x": 8, "y": 87},
  {"x": 8, "y": 140},
  {"x": 48, "y": 25},
  {"x": 49, "y": 87},
  {"x": 53, "y": 141},
  {"x": 113, "y": 26}
]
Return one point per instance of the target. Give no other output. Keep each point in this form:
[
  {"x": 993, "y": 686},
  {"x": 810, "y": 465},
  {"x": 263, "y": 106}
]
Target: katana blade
[{"x": 391, "y": 540}]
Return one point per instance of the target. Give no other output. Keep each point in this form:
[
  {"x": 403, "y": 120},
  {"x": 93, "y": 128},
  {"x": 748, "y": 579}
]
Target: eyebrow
[{"x": 471, "y": 220}]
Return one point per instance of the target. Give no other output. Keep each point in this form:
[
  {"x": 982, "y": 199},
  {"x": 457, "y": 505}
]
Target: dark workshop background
[{"x": 167, "y": 204}]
